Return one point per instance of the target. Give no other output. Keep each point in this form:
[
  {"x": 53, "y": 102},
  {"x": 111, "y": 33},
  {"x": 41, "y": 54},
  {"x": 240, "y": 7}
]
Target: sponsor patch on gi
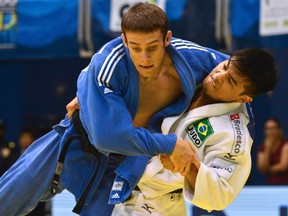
[
  {"x": 224, "y": 168},
  {"x": 199, "y": 131},
  {"x": 239, "y": 135},
  {"x": 117, "y": 186}
]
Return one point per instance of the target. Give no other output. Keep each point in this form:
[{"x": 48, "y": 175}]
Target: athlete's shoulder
[
  {"x": 108, "y": 57},
  {"x": 229, "y": 118},
  {"x": 111, "y": 49},
  {"x": 191, "y": 49},
  {"x": 182, "y": 45},
  {"x": 230, "y": 128},
  {"x": 108, "y": 61}
]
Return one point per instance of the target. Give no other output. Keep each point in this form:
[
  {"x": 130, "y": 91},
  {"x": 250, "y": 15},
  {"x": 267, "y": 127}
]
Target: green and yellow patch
[{"x": 199, "y": 131}]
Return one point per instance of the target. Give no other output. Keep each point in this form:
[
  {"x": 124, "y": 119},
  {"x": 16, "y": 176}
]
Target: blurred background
[{"x": 45, "y": 44}]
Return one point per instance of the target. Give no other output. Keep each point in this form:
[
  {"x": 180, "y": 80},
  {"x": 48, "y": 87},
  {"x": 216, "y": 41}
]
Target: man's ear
[
  {"x": 244, "y": 99},
  {"x": 168, "y": 38},
  {"x": 124, "y": 40}
]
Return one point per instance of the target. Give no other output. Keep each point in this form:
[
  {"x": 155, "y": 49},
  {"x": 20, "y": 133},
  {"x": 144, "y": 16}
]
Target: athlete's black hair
[{"x": 259, "y": 67}]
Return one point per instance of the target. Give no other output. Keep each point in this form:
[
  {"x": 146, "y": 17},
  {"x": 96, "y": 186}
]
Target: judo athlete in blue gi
[{"x": 130, "y": 85}]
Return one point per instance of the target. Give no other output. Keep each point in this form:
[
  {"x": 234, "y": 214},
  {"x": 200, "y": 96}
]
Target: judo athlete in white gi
[
  {"x": 218, "y": 126},
  {"x": 130, "y": 85}
]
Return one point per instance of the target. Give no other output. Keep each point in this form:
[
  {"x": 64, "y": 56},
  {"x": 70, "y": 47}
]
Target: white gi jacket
[{"x": 220, "y": 135}]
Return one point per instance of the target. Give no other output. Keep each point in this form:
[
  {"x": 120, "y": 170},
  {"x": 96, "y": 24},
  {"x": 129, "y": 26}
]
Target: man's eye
[
  {"x": 136, "y": 49},
  {"x": 230, "y": 81},
  {"x": 152, "y": 48}
]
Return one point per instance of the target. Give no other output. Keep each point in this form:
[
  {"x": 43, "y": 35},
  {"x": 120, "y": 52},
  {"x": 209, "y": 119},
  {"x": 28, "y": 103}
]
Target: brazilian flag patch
[{"x": 199, "y": 131}]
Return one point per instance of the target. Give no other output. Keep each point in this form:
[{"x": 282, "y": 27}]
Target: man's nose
[{"x": 144, "y": 56}]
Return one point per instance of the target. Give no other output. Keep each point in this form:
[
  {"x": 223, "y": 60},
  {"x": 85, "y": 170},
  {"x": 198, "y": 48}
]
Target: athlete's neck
[{"x": 200, "y": 99}]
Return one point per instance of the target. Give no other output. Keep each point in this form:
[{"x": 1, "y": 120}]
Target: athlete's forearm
[{"x": 192, "y": 175}]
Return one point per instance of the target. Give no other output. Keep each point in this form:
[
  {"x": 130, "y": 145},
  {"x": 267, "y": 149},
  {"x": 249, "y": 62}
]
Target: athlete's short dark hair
[
  {"x": 259, "y": 67},
  {"x": 145, "y": 17}
]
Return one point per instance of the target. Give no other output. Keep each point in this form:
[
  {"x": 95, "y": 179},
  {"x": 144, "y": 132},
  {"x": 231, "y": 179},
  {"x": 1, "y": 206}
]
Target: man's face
[
  {"x": 146, "y": 51},
  {"x": 223, "y": 84}
]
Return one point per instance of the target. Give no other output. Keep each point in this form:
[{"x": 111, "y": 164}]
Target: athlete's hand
[
  {"x": 166, "y": 162},
  {"x": 182, "y": 155},
  {"x": 72, "y": 106},
  {"x": 191, "y": 169}
]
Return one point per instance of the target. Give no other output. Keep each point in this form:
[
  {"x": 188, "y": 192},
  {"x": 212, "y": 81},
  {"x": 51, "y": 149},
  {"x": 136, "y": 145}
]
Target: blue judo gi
[{"x": 108, "y": 94}]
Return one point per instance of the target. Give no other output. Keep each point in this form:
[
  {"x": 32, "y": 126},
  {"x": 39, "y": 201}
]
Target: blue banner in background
[
  {"x": 244, "y": 19},
  {"x": 38, "y": 29},
  {"x": 40, "y": 23},
  {"x": 48, "y": 29},
  {"x": 8, "y": 24}
]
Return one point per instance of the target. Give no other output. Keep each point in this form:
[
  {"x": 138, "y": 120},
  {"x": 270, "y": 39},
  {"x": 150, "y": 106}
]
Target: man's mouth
[{"x": 146, "y": 67}]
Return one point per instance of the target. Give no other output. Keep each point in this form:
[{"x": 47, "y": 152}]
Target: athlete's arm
[{"x": 181, "y": 153}]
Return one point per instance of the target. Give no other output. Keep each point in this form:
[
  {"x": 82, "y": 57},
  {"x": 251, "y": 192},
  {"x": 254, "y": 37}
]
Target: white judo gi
[{"x": 220, "y": 135}]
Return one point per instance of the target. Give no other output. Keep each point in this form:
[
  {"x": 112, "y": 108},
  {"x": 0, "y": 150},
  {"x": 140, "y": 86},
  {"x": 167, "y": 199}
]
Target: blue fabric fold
[{"x": 128, "y": 174}]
